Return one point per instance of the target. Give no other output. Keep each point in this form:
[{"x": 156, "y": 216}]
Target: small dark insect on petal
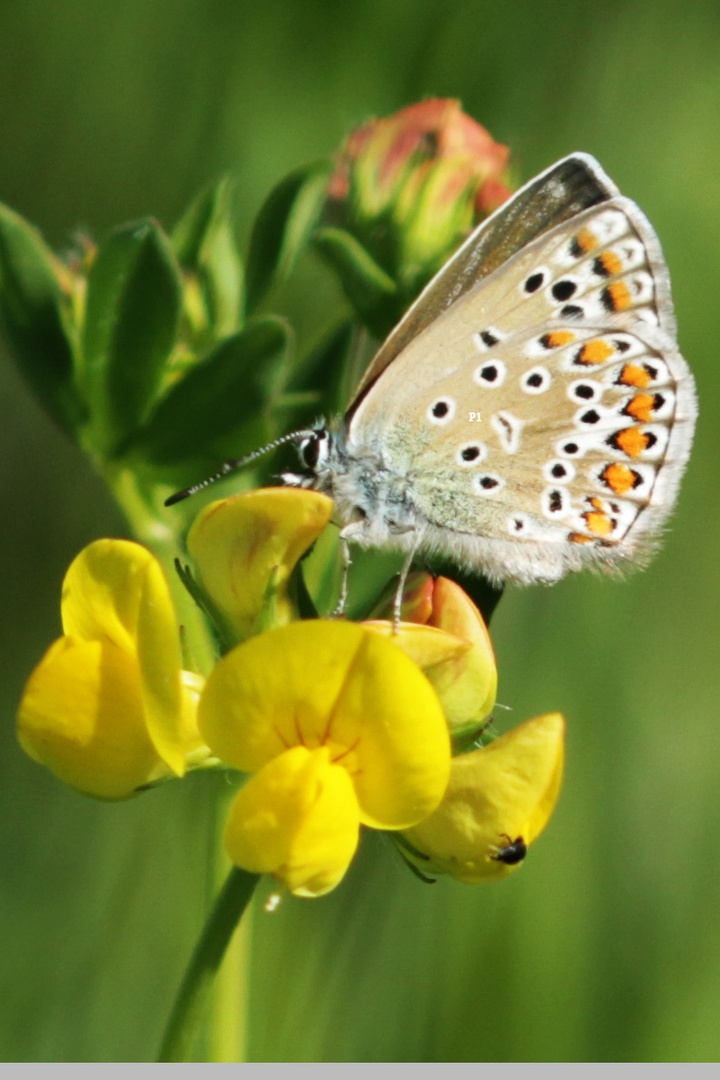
[{"x": 513, "y": 852}]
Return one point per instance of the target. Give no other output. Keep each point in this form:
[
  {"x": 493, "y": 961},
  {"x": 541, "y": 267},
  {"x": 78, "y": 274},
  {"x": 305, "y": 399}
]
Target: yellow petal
[
  {"x": 298, "y": 818},
  {"x": 239, "y": 545},
  {"x": 82, "y": 716},
  {"x": 192, "y": 686},
  {"x": 506, "y": 789},
  {"x": 172, "y": 726},
  {"x": 102, "y": 592},
  {"x": 467, "y": 685},
  {"x": 320, "y": 683},
  {"x": 115, "y": 590},
  {"x": 426, "y": 646}
]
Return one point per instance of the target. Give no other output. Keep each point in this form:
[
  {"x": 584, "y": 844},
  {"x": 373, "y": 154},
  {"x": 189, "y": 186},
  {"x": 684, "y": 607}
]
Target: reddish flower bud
[
  {"x": 410, "y": 187},
  {"x": 466, "y": 682}
]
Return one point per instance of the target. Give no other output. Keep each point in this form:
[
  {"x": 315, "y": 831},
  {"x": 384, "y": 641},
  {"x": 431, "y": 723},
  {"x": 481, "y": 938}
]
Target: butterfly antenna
[{"x": 237, "y": 463}]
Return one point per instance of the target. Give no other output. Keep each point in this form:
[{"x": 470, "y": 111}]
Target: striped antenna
[{"x": 230, "y": 466}]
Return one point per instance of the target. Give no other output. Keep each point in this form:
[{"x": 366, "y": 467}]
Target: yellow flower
[
  {"x": 465, "y": 678},
  {"x": 340, "y": 728},
  {"x": 245, "y": 549},
  {"x": 497, "y": 795},
  {"x": 108, "y": 708}
]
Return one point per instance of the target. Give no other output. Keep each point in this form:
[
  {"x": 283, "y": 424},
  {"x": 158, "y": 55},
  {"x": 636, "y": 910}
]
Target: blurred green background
[{"x": 606, "y": 946}]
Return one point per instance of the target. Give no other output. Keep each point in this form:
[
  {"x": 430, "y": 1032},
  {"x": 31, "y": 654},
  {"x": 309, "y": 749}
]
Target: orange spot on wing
[
  {"x": 595, "y": 352},
  {"x": 558, "y": 338},
  {"x": 598, "y": 522},
  {"x": 586, "y": 240},
  {"x": 641, "y": 407},
  {"x": 611, "y": 263},
  {"x": 617, "y": 296},
  {"x": 634, "y": 375},
  {"x": 619, "y": 478},
  {"x": 579, "y": 538},
  {"x": 632, "y": 441}
]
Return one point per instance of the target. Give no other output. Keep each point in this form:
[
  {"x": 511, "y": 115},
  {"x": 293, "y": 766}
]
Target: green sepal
[
  {"x": 134, "y": 300},
  {"x": 204, "y": 242},
  {"x": 407, "y": 853},
  {"x": 372, "y": 293},
  {"x": 283, "y": 227},
  {"x": 214, "y": 619},
  {"x": 473, "y": 737},
  {"x": 31, "y": 310},
  {"x": 218, "y": 397},
  {"x": 267, "y": 617},
  {"x": 300, "y": 593}
]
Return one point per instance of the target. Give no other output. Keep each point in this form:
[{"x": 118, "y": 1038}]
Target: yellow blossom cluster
[{"x": 338, "y": 725}]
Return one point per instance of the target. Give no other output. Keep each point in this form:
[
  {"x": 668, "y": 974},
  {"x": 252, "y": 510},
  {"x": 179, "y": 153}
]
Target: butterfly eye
[
  {"x": 309, "y": 452},
  {"x": 314, "y": 449}
]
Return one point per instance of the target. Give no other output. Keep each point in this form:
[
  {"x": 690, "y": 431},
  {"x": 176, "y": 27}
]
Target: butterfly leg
[
  {"x": 397, "y": 606},
  {"x": 346, "y": 562},
  {"x": 346, "y": 535}
]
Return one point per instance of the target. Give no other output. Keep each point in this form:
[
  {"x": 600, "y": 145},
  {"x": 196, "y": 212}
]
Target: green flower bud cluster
[{"x": 150, "y": 350}]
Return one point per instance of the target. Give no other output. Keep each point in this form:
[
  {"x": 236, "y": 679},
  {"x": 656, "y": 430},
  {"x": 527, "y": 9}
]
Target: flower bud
[
  {"x": 245, "y": 549},
  {"x": 465, "y": 679},
  {"x": 500, "y": 796},
  {"x": 410, "y": 187}
]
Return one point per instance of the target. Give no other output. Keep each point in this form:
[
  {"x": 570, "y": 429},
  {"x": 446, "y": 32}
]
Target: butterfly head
[{"x": 314, "y": 449}]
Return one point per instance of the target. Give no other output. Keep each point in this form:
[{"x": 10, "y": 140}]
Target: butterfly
[{"x": 531, "y": 414}]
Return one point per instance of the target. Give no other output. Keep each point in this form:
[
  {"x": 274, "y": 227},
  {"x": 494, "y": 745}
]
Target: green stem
[{"x": 195, "y": 991}]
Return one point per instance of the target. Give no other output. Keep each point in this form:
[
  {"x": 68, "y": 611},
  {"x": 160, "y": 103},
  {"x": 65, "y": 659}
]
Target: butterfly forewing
[{"x": 556, "y": 195}]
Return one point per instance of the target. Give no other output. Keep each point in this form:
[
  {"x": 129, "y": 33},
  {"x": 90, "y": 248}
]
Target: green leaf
[
  {"x": 372, "y": 293},
  {"x": 204, "y": 241},
  {"x": 31, "y": 313},
  {"x": 132, "y": 317},
  {"x": 324, "y": 356},
  {"x": 217, "y": 397},
  {"x": 282, "y": 228},
  {"x": 317, "y": 382}
]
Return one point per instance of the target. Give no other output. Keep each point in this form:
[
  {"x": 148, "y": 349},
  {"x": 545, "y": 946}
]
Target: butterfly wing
[
  {"x": 565, "y": 189},
  {"x": 544, "y": 418}
]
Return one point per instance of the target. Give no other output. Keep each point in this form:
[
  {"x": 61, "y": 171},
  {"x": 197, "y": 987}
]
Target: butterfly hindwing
[{"x": 548, "y": 404}]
